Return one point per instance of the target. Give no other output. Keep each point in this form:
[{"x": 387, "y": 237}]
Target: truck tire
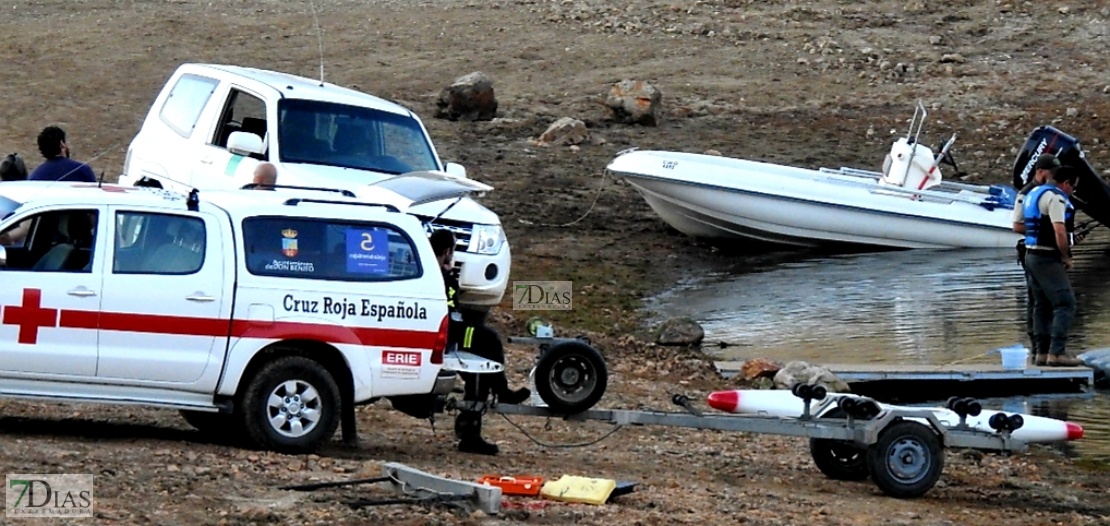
[{"x": 291, "y": 406}]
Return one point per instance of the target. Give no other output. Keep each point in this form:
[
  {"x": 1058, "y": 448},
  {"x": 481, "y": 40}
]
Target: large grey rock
[
  {"x": 635, "y": 102},
  {"x": 803, "y": 372},
  {"x": 469, "y": 98},
  {"x": 565, "y": 131},
  {"x": 680, "y": 331}
]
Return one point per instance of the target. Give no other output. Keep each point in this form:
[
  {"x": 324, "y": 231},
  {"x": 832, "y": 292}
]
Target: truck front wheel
[{"x": 291, "y": 405}]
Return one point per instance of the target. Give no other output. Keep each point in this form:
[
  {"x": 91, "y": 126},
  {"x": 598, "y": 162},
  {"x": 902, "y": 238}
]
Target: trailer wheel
[
  {"x": 907, "y": 460},
  {"x": 291, "y": 405},
  {"x": 838, "y": 459},
  {"x": 571, "y": 377}
]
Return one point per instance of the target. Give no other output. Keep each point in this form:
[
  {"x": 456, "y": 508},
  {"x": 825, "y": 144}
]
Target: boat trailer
[{"x": 900, "y": 449}]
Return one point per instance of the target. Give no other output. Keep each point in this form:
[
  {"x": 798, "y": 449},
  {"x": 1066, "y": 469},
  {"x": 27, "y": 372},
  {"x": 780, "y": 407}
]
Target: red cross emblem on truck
[{"x": 30, "y": 316}]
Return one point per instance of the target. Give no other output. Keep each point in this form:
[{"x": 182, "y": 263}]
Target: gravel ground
[{"x": 800, "y": 82}]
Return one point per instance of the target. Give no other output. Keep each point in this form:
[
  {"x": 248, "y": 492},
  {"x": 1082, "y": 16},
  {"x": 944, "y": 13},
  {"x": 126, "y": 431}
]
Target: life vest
[{"x": 1039, "y": 231}]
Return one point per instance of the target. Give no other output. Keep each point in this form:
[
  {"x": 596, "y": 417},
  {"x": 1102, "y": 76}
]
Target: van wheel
[{"x": 291, "y": 406}]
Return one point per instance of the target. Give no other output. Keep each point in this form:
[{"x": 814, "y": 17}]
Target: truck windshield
[{"x": 330, "y": 134}]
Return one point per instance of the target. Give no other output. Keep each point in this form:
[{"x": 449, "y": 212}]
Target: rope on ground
[
  {"x": 544, "y": 444},
  {"x": 600, "y": 189}
]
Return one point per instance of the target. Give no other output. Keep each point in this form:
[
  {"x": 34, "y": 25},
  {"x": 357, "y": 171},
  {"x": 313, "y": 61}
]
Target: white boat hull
[{"x": 722, "y": 198}]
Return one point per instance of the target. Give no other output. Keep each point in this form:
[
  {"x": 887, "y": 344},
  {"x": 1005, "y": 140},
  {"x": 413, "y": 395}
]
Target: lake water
[{"x": 913, "y": 306}]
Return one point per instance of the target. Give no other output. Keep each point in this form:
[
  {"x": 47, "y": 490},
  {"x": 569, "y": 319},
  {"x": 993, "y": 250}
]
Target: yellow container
[{"x": 578, "y": 489}]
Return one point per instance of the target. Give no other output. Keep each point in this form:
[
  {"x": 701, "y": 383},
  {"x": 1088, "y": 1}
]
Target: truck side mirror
[
  {"x": 455, "y": 169},
  {"x": 3, "y": 257},
  {"x": 244, "y": 143}
]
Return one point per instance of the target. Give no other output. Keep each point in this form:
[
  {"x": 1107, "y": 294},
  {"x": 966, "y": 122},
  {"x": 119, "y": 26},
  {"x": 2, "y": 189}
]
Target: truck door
[
  {"x": 163, "y": 317},
  {"x": 168, "y": 149},
  {"x": 220, "y": 168},
  {"x": 51, "y": 293}
]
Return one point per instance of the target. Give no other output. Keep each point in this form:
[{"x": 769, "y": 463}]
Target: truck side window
[
  {"x": 332, "y": 250},
  {"x": 245, "y": 113},
  {"x": 186, "y": 101},
  {"x": 55, "y": 241},
  {"x": 158, "y": 244}
]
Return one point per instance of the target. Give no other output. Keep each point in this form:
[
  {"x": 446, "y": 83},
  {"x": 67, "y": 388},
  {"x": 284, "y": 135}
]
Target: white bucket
[{"x": 1014, "y": 357}]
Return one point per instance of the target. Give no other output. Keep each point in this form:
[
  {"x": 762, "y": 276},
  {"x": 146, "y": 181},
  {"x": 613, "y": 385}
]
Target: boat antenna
[{"x": 319, "y": 39}]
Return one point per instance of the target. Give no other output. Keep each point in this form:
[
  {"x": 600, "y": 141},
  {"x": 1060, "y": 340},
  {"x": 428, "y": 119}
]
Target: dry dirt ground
[{"x": 801, "y": 82}]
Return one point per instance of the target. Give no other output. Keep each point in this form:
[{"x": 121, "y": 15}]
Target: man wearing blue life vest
[
  {"x": 1049, "y": 223},
  {"x": 1042, "y": 172}
]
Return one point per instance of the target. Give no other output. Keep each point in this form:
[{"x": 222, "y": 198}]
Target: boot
[
  {"x": 1040, "y": 350},
  {"x": 1063, "y": 360},
  {"x": 468, "y": 429},
  {"x": 514, "y": 396}
]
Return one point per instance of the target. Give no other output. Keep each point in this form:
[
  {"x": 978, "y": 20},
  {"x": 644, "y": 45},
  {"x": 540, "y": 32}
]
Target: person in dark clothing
[
  {"x": 1049, "y": 224},
  {"x": 12, "y": 168},
  {"x": 1043, "y": 170},
  {"x": 58, "y": 165},
  {"x": 474, "y": 337}
]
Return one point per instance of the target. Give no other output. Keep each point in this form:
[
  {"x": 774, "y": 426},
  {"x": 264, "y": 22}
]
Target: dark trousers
[
  {"x": 1053, "y": 299},
  {"x": 482, "y": 341},
  {"x": 1029, "y": 300}
]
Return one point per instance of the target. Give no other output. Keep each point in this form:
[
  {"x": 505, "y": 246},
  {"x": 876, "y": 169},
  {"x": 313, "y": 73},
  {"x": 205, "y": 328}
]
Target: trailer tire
[
  {"x": 291, "y": 405},
  {"x": 839, "y": 459},
  {"x": 907, "y": 460},
  {"x": 571, "y": 377}
]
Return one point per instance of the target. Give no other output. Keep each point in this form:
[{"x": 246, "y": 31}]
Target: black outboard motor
[{"x": 1092, "y": 195}]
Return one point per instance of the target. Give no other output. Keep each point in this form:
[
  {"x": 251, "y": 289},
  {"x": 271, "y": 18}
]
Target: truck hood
[{"x": 423, "y": 193}]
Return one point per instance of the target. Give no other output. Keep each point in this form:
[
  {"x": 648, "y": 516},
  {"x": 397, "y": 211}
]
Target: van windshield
[{"x": 330, "y": 134}]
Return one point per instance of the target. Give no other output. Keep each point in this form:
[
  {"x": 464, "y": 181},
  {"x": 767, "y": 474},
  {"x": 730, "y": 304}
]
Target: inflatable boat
[{"x": 906, "y": 205}]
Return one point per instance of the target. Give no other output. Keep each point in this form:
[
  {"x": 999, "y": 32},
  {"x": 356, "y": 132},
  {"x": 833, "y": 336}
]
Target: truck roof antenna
[
  {"x": 319, "y": 39},
  {"x": 192, "y": 202}
]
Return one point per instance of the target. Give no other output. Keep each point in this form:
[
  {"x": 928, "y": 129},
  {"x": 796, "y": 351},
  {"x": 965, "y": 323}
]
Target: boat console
[{"x": 911, "y": 166}]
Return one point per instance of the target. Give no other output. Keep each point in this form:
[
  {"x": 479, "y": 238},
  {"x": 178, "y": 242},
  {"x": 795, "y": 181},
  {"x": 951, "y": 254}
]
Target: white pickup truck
[
  {"x": 263, "y": 313},
  {"x": 211, "y": 125}
]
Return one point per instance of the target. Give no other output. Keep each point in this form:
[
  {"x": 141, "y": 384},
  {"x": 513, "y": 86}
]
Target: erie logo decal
[{"x": 401, "y": 358}]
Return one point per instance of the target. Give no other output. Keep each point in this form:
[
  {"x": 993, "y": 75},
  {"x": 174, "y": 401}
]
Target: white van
[{"x": 211, "y": 125}]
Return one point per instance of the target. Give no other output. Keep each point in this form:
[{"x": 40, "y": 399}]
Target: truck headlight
[{"x": 486, "y": 239}]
